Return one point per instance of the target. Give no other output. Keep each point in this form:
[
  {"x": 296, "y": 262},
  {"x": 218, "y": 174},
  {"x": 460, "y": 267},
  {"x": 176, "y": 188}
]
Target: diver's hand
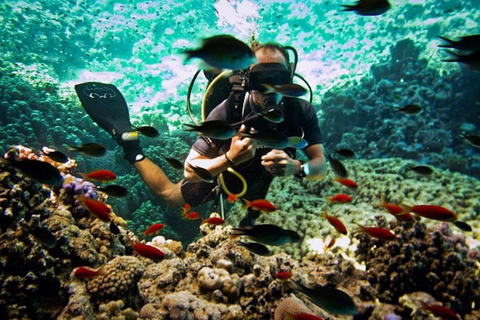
[
  {"x": 279, "y": 163},
  {"x": 242, "y": 148}
]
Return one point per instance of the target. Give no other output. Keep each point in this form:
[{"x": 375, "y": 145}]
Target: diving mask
[
  {"x": 269, "y": 106},
  {"x": 268, "y": 73}
]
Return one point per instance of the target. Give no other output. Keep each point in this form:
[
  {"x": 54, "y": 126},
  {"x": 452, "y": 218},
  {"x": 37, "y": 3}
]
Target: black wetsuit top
[{"x": 300, "y": 119}]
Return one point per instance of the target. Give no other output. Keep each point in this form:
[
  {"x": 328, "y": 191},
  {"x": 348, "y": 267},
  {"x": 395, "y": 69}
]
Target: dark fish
[
  {"x": 224, "y": 52},
  {"x": 337, "y": 167},
  {"x": 202, "y": 173},
  {"x": 114, "y": 190},
  {"x": 43, "y": 236},
  {"x": 270, "y": 139},
  {"x": 41, "y": 172},
  {"x": 268, "y": 234},
  {"x": 421, "y": 170},
  {"x": 329, "y": 299},
  {"x": 217, "y": 129},
  {"x": 288, "y": 90},
  {"x": 471, "y": 139},
  {"x": 462, "y": 226},
  {"x": 297, "y": 142},
  {"x": 147, "y": 131},
  {"x": 466, "y": 43},
  {"x": 347, "y": 153},
  {"x": 256, "y": 248},
  {"x": 176, "y": 164},
  {"x": 56, "y": 156},
  {"x": 114, "y": 228},
  {"x": 90, "y": 149},
  {"x": 369, "y": 7},
  {"x": 272, "y": 115},
  {"x": 470, "y": 60},
  {"x": 410, "y": 109}
]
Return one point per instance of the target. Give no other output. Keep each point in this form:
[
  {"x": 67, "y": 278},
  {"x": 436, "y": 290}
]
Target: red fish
[
  {"x": 153, "y": 229},
  {"x": 192, "y": 215},
  {"x": 99, "y": 175},
  {"x": 347, "y": 182},
  {"x": 336, "y": 223},
  {"x": 439, "y": 311},
  {"x": 396, "y": 210},
  {"x": 260, "y": 205},
  {"x": 283, "y": 275},
  {"x": 302, "y": 316},
  {"x": 147, "y": 251},
  {"x": 432, "y": 212},
  {"x": 341, "y": 197},
  {"x": 232, "y": 197},
  {"x": 216, "y": 221},
  {"x": 88, "y": 273},
  {"x": 330, "y": 244},
  {"x": 96, "y": 207},
  {"x": 186, "y": 208},
  {"x": 379, "y": 233}
]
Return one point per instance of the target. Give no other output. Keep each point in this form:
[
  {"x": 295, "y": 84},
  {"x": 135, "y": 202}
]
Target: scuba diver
[{"x": 255, "y": 163}]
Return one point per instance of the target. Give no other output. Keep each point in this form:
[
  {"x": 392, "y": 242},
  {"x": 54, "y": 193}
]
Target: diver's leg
[{"x": 159, "y": 183}]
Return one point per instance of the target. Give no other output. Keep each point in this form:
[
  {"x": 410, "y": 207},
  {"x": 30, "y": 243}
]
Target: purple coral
[{"x": 79, "y": 187}]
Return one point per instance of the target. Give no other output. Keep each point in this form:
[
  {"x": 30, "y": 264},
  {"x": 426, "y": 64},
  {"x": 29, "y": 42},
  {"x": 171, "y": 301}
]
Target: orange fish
[
  {"x": 379, "y": 233},
  {"x": 347, "y": 182},
  {"x": 301, "y": 316},
  {"x": 260, "y": 205},
  {"x": 395, "y": 210},
  {"x": 330, "y": 244},
  {"x": 432, "y": 212},
  {"x": 153, "y": 229},
  {"x": 336, "y": 223},
  {"x": 186, "y": 208},
  {"x": 232, "y": 197},
  {"x": 99, "y": 175},
  {"x": 341, "y": 197},
  {"x": 283, "y": 275},
  {"x": 96, "y": 207},
  {"x": 192, "y": 215},
  {"x": 439, "y": 311},
  {"x": 89, "y": 273},
  {"x": 216, "y": 221},
  {"x": 147, "y": 251}
]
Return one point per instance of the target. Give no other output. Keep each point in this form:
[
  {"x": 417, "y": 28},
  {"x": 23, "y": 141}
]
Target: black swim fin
[{"x": 106, "y": 105}]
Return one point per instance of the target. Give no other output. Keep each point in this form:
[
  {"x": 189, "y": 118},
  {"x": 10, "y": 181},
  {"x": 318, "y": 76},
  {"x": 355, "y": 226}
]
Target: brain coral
[{"x": 122, "y": 276}]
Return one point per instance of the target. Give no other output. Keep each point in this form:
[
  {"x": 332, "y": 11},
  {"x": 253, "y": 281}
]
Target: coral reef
[
  {"x": 217, "y": 278},
  {"x": 120, "y": 280},
  {"x": 435, "y": 261}
]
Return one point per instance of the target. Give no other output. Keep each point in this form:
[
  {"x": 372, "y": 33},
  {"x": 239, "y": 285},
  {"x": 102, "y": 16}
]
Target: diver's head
[{"x": 273, "y": 68}]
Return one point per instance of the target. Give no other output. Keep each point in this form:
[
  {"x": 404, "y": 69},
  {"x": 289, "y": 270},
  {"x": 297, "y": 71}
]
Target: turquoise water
[{"x": 360, "y": 68}]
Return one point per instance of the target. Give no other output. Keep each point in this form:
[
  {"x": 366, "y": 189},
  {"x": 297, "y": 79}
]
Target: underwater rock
[{"x": 288, "y": 307}]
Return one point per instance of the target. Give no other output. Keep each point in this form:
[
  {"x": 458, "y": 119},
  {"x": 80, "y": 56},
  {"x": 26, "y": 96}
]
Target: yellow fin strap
[{"x": 239, "y": 176}]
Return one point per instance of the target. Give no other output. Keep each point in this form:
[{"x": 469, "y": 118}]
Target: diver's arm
[
  {"x": 241, "y": 149},
  {"x": 279, "y": 163},
  {"x": 317, "y": 163},
  {"x": 158, "y": 182}
]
